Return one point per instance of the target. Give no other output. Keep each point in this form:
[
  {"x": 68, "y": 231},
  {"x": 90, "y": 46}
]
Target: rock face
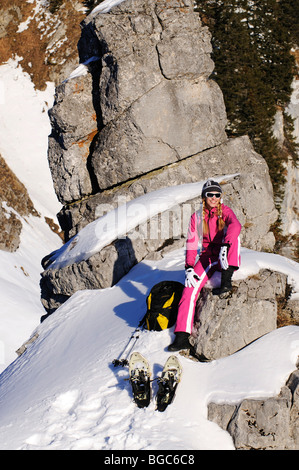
[
  {"x": 264, "y": 424},
  {"x": 153, "y": 102},
  {"x": 243, "y": 193},
  {"x": 226, "y": 324},
  {"x": 145, "y": 115}
]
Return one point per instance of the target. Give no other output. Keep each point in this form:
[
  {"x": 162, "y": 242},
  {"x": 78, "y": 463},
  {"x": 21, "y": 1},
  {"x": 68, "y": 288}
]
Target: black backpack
[{"x": 162, "y": 305}]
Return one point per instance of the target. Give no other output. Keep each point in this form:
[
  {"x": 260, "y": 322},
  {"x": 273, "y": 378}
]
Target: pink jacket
[{"x": 228, "y": 235}]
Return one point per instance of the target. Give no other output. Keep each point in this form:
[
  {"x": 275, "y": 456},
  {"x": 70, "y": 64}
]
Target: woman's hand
[
  {"x": 223, "y": 257},
  {"x": 191, "y": 277}
]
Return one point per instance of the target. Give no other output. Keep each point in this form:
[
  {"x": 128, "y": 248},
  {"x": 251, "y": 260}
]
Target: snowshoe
[
  {"x": 139, "y": 372},
  {"x": 171, "y": 376}
]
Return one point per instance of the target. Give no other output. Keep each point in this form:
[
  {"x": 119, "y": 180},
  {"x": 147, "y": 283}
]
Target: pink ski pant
[{"x": 206, "y": 266}]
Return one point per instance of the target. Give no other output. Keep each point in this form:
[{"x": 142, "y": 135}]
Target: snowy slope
[
  {"x": 64, "y": 392},
  {"x": 24, "y": 130}
]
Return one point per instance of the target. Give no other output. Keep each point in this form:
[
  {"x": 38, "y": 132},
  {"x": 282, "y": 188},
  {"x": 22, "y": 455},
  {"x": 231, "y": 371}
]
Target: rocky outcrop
[
  {"x": 152, "y": 239},
  {"x": 256, "y": 306},
  {"x": 243, "y": 193},
  {"x": 225, "y": 324},
  {"x": 143, "y": 116},
  {"x": 262, "y": 424},
  {"x": 152, "y": 101},
  {"x": 15, "y": 203}
]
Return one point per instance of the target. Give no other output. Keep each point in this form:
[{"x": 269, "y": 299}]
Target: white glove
[
  {"x": 191, "y": 278},
  {"x": 223, "y": 257}
]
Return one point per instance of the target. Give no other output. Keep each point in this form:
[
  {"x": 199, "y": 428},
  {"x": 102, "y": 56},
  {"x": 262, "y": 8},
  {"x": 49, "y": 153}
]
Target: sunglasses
[{"x": 217, "y": 195}]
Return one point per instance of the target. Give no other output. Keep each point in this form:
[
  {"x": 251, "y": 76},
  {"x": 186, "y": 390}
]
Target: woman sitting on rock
[{"x": 217, "y": 230}]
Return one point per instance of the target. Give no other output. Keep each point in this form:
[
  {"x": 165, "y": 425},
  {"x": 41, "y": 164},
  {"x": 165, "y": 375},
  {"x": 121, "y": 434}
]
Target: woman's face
[{"x": 212, "y": 199}]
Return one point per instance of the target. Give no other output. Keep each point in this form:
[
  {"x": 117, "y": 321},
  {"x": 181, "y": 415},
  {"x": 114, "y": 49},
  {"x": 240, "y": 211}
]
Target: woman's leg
[
  {"x": 204, "y": 268},
  {"x": 233, "y": 259}
]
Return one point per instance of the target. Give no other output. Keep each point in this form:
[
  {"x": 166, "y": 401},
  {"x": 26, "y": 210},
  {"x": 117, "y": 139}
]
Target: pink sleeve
[
  {"x": 192, "y": 241},
  {"x": 232, "y": 224}
]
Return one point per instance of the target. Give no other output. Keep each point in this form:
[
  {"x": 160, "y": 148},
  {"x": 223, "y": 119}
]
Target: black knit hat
[{"x": 210, "y": 185}]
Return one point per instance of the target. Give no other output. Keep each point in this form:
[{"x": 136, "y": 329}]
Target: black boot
[
  {"x": 181, "y": 342},
  {"x": 226, "y": 281}
]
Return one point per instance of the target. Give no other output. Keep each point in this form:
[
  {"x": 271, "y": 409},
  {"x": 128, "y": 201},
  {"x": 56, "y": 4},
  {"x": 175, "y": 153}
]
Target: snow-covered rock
[
  {"x": 264, "y": 423},
  {"x": 256, "y": 306}
]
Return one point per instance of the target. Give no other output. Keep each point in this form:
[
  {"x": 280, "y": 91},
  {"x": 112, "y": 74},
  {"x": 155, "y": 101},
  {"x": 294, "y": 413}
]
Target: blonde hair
[{"x": 220, "y": 221}]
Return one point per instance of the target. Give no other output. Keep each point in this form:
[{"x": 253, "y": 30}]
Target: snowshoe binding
[
  {"x": 171, "y": 376},
  {"x": 139, "y": 372}
]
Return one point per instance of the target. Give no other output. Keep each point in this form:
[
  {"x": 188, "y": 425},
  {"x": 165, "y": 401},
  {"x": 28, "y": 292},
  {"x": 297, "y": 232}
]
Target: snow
[
  {"x": 106, "y": 6},
  {"x": 82, "y": 69},
  {"x": 103, "y": 7},
  {"x": 21, "y": 308},
  {"x": 25, "y": 24},
  {"x": 253, "y": 262},
  {"x": 63, "y": 393},
  {"x": 24, "y": 128}
]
